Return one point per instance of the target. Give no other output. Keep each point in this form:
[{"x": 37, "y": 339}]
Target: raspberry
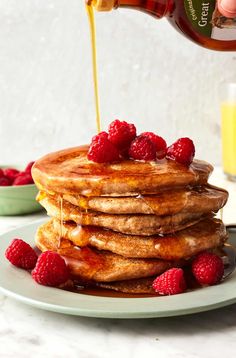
[
  {"x": 1, "y": 173},
  {"x": 5, "y": 181},
  {"x": 101, "y": 150},
  {"x": 142, "y": 149},
  {"x": 102, "y": 135},
  {"x": 21, "y": 254},
  {"x": 121, "y": 134},
  {"x": 170, "y": 282},
  {"x": 29, "y": 167},
  {"x": 159, "y": 142},
  {"x": 182, "y": 151},
  {"x": 208, "y": 268},
  {"x": 23, "y": 179},
  {"x": 11, "y": 173},
  {"x": 50, "y": 269}
]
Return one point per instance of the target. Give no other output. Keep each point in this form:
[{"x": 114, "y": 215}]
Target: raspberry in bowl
[{"x": 17, "y": 190}]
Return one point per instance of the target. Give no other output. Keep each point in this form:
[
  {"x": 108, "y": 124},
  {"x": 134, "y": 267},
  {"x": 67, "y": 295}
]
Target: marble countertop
[{"x": 30, "y": 332}]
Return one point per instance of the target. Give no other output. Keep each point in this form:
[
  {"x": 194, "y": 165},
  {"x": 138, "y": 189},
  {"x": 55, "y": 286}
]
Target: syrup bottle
[{"x": 198, "y": 20}]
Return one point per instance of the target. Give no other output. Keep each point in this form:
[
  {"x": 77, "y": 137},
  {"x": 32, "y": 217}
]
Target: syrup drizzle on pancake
[
  {"x": 154, "y": 211},
  {"x": 61, "y": 222},
  {"x": 147, "y": 202}
]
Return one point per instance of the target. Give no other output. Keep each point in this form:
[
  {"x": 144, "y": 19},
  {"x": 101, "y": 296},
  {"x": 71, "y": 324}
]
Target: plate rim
[{"x": 117, "y": 315}]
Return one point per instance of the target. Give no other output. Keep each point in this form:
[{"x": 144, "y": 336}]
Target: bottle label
[{"x": 208, "y": 21}]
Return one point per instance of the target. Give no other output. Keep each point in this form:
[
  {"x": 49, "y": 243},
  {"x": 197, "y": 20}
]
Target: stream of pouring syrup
[{"x": 90, "y": 12}]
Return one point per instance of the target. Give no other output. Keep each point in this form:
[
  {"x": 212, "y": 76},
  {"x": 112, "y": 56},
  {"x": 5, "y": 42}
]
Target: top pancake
[{"x": 70, "y": 172}]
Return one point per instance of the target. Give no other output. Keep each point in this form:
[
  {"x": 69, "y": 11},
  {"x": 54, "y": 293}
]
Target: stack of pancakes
[{"x": 119, "y": 225}]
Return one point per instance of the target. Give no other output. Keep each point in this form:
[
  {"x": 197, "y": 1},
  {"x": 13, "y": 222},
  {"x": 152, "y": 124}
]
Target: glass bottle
[{"x": 198, "y": 20}]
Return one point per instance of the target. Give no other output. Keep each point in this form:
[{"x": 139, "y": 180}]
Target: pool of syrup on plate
[{"x": 102, "y": 292}]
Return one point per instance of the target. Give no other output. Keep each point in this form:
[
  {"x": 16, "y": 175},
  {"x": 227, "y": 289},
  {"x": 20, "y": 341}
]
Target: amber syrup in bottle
[{"x": 198, "y": 20}]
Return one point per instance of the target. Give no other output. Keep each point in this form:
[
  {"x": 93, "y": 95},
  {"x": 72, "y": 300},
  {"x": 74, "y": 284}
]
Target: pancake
[
  {"x": 70, "y": 172},
  {"x": 87, "y": 264},
  {"x": 144, "y": 285},
  {"x": 199, "y": 199},
  {"x": 207, "y": 234},
  {"x": 128, "y": 224}
]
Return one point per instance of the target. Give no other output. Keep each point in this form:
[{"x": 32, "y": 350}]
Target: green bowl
[{"x": 18, "y": 200}]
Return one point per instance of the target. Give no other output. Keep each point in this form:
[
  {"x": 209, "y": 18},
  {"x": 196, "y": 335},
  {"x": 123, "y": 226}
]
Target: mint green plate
[{"x": 18, "y": 284}]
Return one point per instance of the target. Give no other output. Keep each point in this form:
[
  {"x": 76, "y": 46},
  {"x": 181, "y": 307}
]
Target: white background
[{"x": 149, "y": 74}]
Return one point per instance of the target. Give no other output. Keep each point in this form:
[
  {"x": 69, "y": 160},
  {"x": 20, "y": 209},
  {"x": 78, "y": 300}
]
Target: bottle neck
[
  {"x": 102, "y": 5},
  {"x": 157, "y": 8}
]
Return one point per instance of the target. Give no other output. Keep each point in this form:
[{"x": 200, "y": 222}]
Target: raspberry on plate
[
  {"x": 11, "y": 173},
  {"x": 142, "y": 148},
  {"x": 159, "y": 142},
  {"x": 4, "y": 181},
  {"x": 1, "y": 173},
  {"x": 121, "y": 134},
  {"x": 182, "y": 151},
  {"x": 101, "y": 150},
  {"x": 23, "y": 179},
  {"x": 21, "y": 254},
  {"x": 50, "y": 269},
  {"x": 29, "y": 167},
  {"x": 208, "y": 268},
  {"x": 171, "y": 282}
]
